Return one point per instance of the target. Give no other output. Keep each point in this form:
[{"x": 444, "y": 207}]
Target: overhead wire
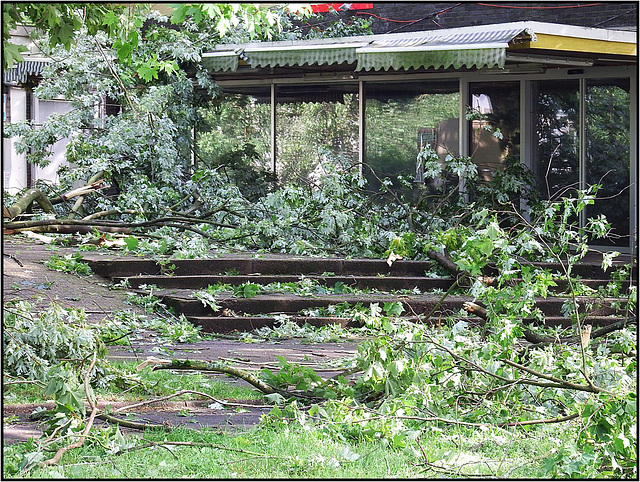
[{"x": 523, "y": 7}]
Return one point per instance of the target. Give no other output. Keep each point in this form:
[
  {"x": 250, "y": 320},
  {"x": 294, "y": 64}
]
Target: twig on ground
[{"x": 89, "y": 424}]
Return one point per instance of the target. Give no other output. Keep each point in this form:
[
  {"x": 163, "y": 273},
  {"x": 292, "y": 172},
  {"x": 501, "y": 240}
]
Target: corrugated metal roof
[{"x": 456, "y": 39}]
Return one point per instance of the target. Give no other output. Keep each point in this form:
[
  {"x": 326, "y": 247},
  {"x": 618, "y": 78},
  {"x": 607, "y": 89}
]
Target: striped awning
[
  {"x": 220, "y": 61},
  {"x": 432, "y": 49},
  {"x": 332, "y": 54},
  {"x": 19, "y": 73},
  {"x": 441, "y": 50}
]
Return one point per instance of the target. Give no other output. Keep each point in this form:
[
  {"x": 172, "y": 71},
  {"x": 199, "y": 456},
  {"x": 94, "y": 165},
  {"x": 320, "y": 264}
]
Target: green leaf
[
  {"x": 131, "y": 243},
  {"x": 124, "y": 50},
  {"x": 486, "y": 247},
  {"x": 247, "y": 290},
  {"x": 394, "y": 308},
  {"x": 147, "y": 72},
  {"x": 11, "y": 54}
]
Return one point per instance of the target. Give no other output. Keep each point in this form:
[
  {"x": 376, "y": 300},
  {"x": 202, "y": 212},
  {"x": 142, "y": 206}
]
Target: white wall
[{"x": 14, "y": 165}]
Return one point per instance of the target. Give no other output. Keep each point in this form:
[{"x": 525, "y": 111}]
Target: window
[
  {"x": 316, "y": 125},
  {"x": 570, "y": 156},
  {"x": 401, "y": 118},
  {"x": 557, "y": 150},
  {"x": 495, "y": 136},
  {"x": 607, "y": 134}
]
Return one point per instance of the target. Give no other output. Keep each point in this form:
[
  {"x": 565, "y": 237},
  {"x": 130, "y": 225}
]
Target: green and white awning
[
  {"x": 437, "y": 49},
  {"x": 220, "y": 61},
  {"x": 286, "y": 56}
]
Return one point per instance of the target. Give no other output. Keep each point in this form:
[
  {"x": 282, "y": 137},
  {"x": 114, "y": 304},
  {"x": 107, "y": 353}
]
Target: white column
[{"x": 14, "y": 165}]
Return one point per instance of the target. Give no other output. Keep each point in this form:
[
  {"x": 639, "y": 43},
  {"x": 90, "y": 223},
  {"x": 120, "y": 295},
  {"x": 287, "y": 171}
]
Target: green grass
[
  {"x": 153, "y": 384},
  {"x": 295, "y": 452}
]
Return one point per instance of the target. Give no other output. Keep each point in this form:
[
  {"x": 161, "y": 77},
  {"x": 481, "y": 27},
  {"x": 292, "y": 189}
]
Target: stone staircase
[{"x": 176, "y": 280}]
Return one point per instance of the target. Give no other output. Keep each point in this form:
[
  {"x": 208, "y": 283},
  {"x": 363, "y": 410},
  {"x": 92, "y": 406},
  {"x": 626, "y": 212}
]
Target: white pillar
[{"x": 14, "y": 165}]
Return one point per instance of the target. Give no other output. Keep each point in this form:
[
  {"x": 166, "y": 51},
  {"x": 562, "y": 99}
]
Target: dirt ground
[{"x": 24, "y": 276}]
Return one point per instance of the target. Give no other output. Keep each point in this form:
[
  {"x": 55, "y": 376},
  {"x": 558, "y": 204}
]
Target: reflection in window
[
  {"x": 316, "y": 125},
  {"x": 403, "y": 117},
  {"x": 557, "y": 128},
  {"x": 495, "y": 134},
  {"x": 233, "y": 136},
  {"x": 607, "y": 153}
]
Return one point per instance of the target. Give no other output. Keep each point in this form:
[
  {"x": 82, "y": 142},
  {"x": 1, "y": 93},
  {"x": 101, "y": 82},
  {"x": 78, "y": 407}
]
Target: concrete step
[
  {"x": 126, "y": 267},
  {"x": 184, "y": 302},
  {"x": 228, "y": 324},
  {"x": 176, "y": 280},
  {"x": 290, "y": 265},
  {"x": 382, "y": 283}
]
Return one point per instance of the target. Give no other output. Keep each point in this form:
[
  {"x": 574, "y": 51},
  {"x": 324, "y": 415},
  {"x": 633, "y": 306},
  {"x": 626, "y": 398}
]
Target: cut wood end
[
  {"x": 152, "y": 360},
  {"x": 469, "y": 306},
  {"x": 585, "y": 336},
  {"x": 392, "y": 258}
]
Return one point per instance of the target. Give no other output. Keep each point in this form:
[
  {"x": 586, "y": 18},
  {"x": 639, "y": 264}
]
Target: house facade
[{"x": 563, "y": 97}]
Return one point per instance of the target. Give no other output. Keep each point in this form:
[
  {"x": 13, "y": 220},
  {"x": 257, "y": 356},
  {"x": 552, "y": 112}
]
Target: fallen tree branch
[
  {"x": 130, "y": 424},
  {"x": 25, "y": 202},
  {"x": 558, "y": 382},
  {"x": 183, "y": 392},
  {"x": 73, "y": 229},
  {"x": 24, "y": 225},
  {"x": 89, "y": 424},
  {"x": 220, "y": 368},
  {"x": 212, "y": 445},
  {"x": 537, "y": 339},
  {"x": 110, "y": 212},
  {"x": 80, "y": 191}
]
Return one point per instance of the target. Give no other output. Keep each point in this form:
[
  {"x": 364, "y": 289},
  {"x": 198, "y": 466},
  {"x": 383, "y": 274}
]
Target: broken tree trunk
[
  {"x": 25, "y": 202},
  {"x": 46, "y": 203}
]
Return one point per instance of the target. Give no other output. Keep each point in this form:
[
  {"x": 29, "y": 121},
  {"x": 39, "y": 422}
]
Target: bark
[
  {"x": 80, "y": 191},
  {"x": 221, "y": 368},
  {"x": 66, "y": 229},
  {"x": 25, "y": 202}
]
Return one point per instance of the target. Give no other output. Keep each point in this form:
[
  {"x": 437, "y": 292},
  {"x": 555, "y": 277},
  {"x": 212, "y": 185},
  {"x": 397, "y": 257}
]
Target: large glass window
[
  {"x": 233, "y": 136},
  {"x": 495, "y": 131},
  {"x": 607, "y": 153},
  {"x": 401, "y": 118},
  {"x": 316, "y": 125},
  {"x": 603, "y": 142},
  {"x": 233, "y": 125},
  {"x": 557, "y": 131}
]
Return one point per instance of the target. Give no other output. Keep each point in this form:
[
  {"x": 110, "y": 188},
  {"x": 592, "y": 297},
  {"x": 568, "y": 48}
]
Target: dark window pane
[
  {"x": 607, "y": 154},
  {"x": 557, "y": 131},
  {"x": 316, "y": 125}
]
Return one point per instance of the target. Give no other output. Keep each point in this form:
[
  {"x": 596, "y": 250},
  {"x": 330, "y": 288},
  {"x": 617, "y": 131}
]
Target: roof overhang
[{"x": 478, "y": 47}]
